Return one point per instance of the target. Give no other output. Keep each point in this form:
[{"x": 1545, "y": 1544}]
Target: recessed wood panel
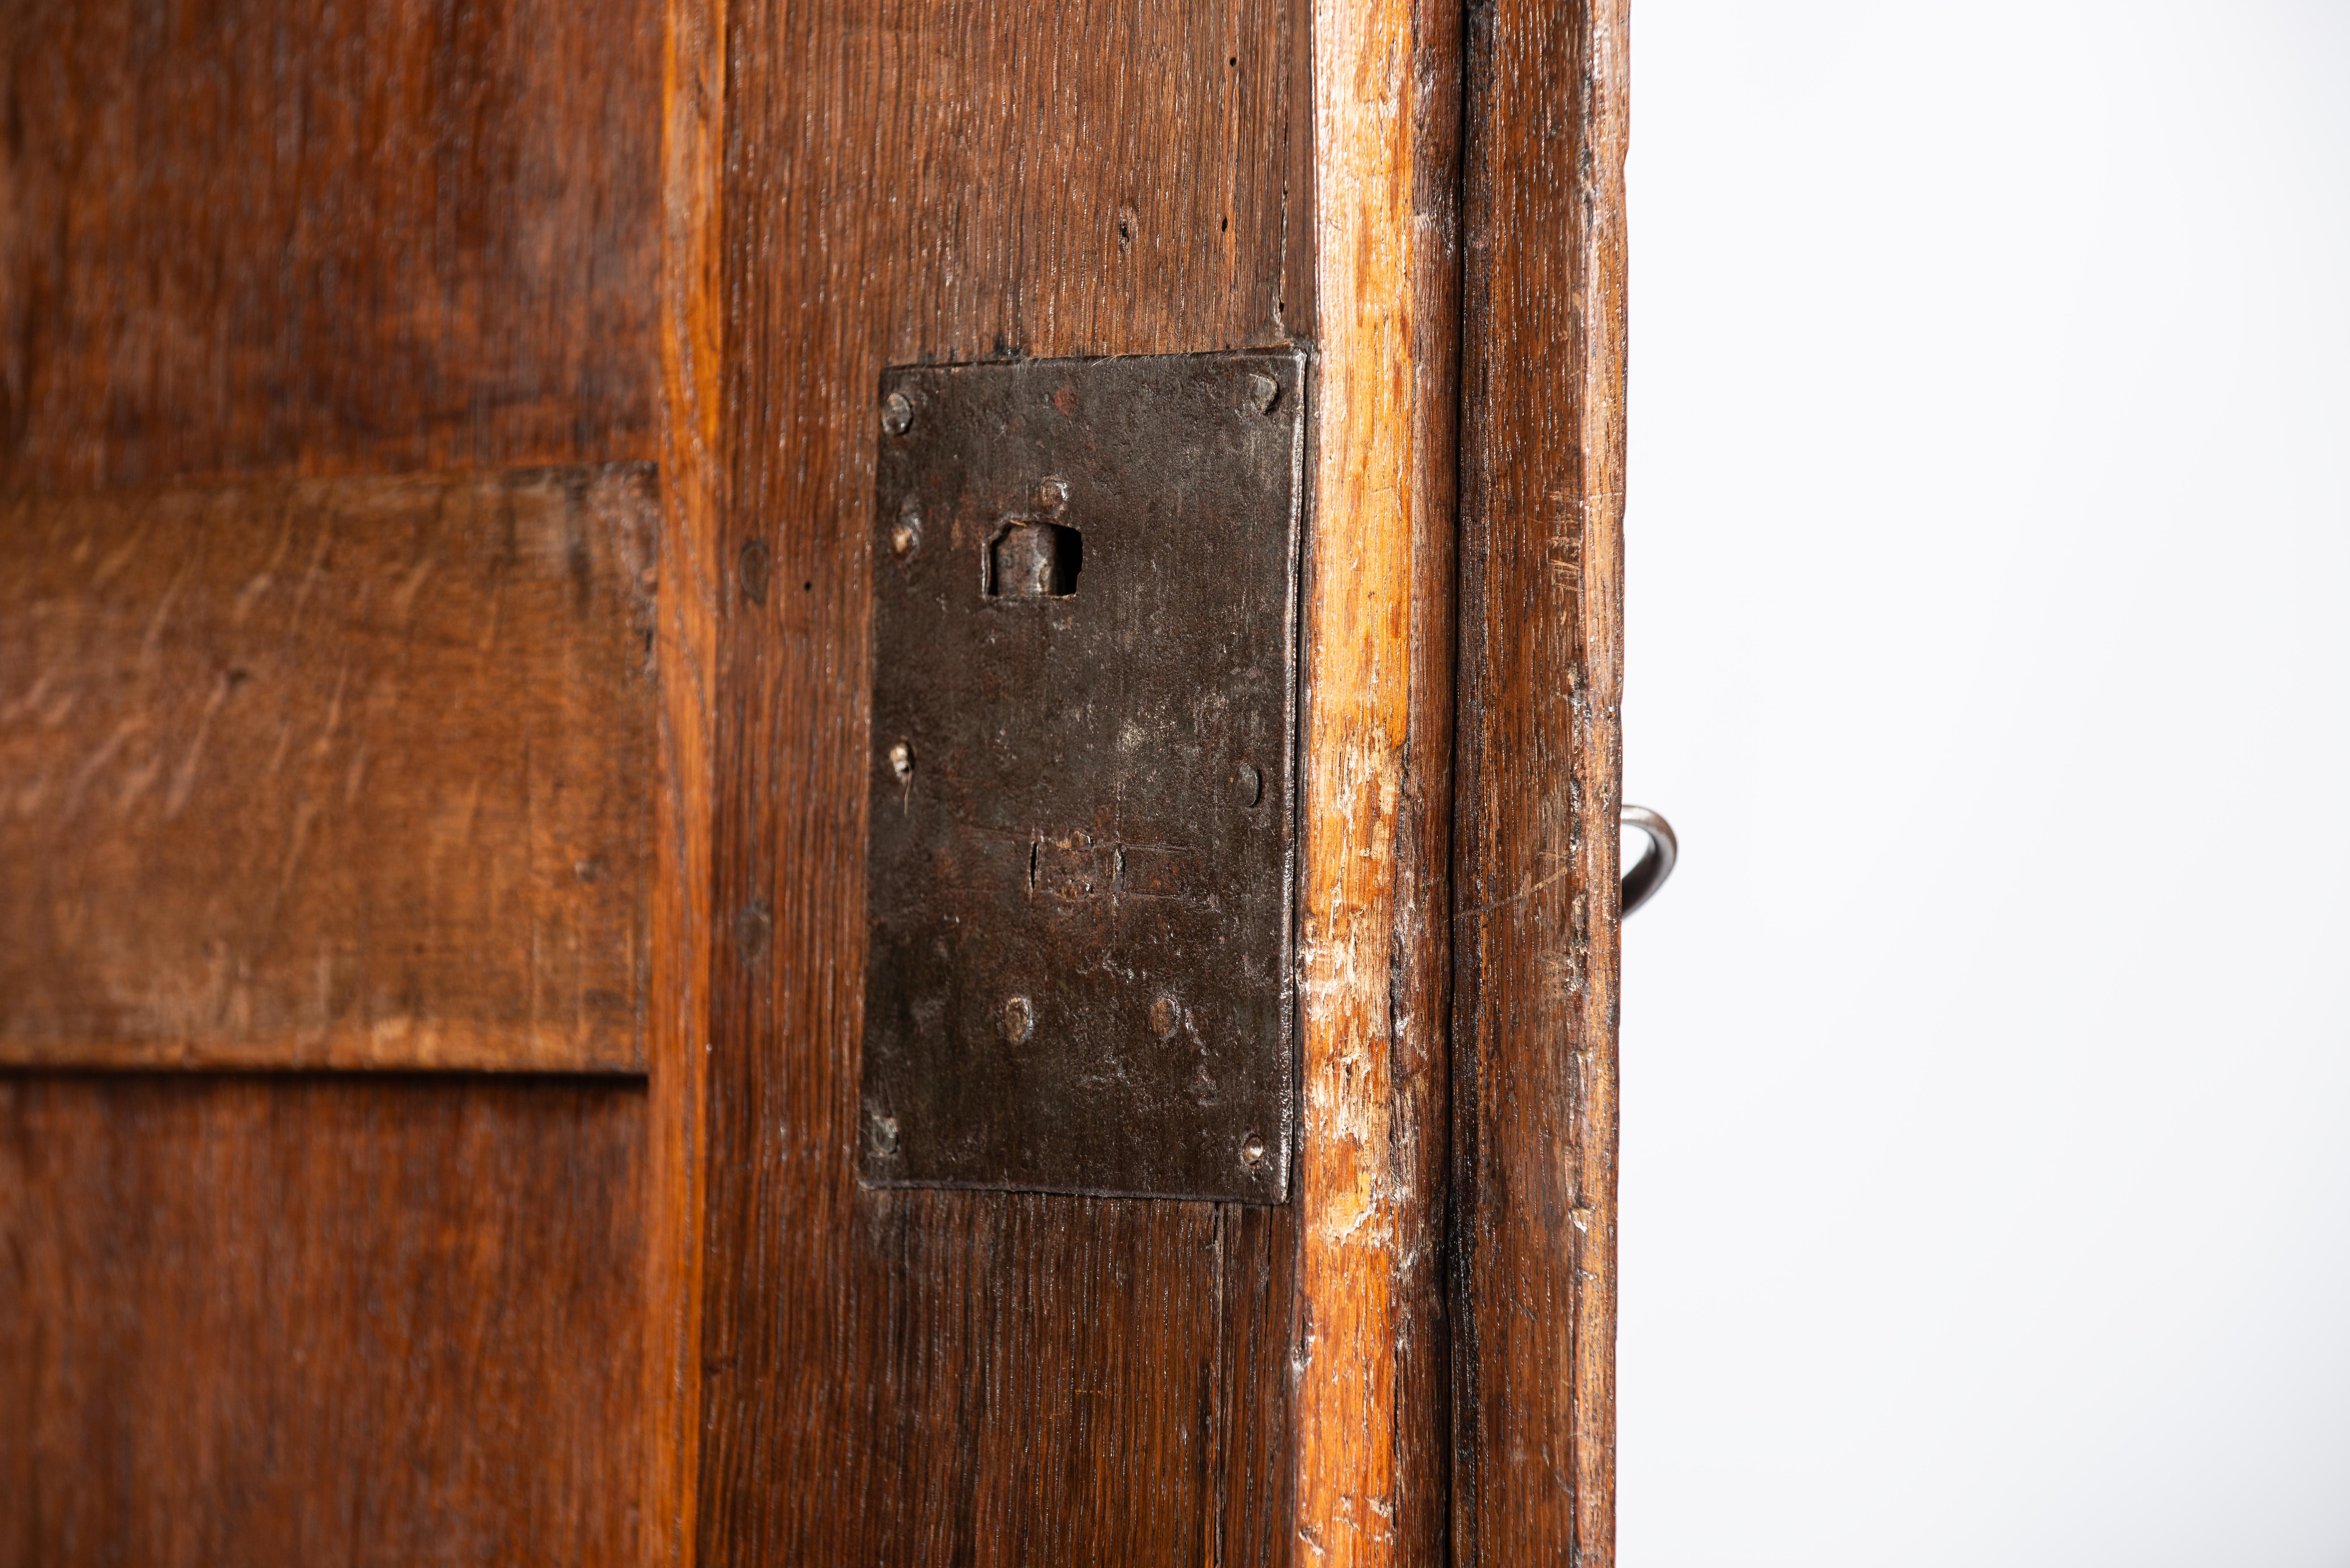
[
  {"x": 297, "y": 1317},
  {"x": 325, "y": 235},
  {"x": 313, "y": 1319},
  {"x": 352, "y": 772}
]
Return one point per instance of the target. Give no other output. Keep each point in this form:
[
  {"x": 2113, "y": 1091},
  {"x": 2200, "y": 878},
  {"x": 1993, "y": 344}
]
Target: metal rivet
[
  {"x": 1052, "y": 495},
  {"x": 1253, "y": 1152},
  {"x": 901, "y": 760},
  {"x": 1019, "y": 1020},
  {"x": 885, "y": 1135},
  {"x": 897, "y": 413},
  {"x": 1261, "y": 392},
  {"x": 1248, "y": 786},
  {"x": 906, "y": 533},
  {"x": 1165, "y": 1014}
]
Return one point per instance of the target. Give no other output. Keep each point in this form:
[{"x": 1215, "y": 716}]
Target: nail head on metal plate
[{"x": 907, "y": 532}]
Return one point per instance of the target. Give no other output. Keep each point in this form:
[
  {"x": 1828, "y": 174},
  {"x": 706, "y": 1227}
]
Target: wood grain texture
[
  {"x": 350, "y": 773},
  {"x": 1374, "y": 950},
  {"x": 953, "y": 1377},
  {"x": 1540, "y": 751},
  {"x": 294, "y": 1318},
  {"x": 310, "y": 1319},
  {"x": 692, "y": 346},
  {"x": 325, "y": 236}
]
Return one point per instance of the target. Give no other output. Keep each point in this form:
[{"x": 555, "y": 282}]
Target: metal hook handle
[{"x": 1641, "y": 882}]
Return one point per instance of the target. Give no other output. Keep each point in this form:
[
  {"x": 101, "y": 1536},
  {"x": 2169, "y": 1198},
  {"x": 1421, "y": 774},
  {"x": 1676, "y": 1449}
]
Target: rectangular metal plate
[{"x": 1079, "y": 973}]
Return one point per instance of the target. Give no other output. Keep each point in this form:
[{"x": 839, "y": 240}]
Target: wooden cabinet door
[{"x": 437, "y": 462}]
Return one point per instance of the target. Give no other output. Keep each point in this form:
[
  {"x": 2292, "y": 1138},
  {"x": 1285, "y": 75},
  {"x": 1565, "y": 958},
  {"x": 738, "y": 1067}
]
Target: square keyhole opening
[{"x": 1034, "y": 560}]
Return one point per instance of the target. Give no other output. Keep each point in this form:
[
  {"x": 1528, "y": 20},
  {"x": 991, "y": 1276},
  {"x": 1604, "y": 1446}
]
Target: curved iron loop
[{"x": 1641, "y": 882}]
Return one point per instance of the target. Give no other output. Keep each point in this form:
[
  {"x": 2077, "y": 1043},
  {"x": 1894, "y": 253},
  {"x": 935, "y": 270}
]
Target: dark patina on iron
[{"x": 1079, "y": 975}]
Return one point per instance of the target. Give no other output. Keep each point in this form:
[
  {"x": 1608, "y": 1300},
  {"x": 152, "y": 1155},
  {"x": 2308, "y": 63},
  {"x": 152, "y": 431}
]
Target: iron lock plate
[{"x": 1079, "y": 973}]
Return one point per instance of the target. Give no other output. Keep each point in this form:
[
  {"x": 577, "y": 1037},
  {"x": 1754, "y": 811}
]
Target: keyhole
[{"x": 1035, "y": 560}]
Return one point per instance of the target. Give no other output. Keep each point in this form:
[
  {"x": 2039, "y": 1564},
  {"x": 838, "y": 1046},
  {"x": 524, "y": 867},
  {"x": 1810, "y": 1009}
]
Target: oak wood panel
[
  {"x": 311, "y": 1319},
  {"x": 953, "y": 1377},
  {"x": 1536, "y": 787},
  {"x": 692, "y": 346},
  {"x": 353, "y": 773},
  {"x": 1374, "y": 953},
  {"x": 325, "y": 235},
  {"x": 385, "y": 1318}
]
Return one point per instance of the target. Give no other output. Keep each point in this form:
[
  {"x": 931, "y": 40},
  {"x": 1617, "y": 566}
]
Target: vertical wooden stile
[
  {"x": 936, "y": 1376},
  {"x": 689, "y": 327},
  {"x": 1539, "y": 762},
  {"x": 1374, "y": 952}
]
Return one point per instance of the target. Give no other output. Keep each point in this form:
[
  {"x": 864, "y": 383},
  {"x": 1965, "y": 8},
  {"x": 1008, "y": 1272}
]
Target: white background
[{"x": 1986, "y": 1157}]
